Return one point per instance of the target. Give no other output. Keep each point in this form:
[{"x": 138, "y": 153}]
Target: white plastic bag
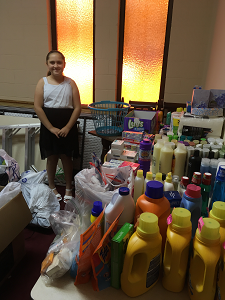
[
  {"x": 11, "y": 190},
  {"x": 12, "y": 167}
]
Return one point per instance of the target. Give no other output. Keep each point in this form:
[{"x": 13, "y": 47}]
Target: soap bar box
[{"x": 118, "y": 250}]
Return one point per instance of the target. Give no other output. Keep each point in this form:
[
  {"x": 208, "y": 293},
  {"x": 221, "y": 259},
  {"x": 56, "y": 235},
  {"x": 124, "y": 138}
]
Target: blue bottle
[
  {"x": 212, "y": 169},
  {"x": 204, "y": 166},
  {"x": 192, "y": 200},
  {"x": 219, "y": 187}
]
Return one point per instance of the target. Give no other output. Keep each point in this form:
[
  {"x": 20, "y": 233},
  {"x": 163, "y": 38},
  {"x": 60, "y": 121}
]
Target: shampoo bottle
[
  {"x": 138, "y": 185},
  {"x": 168, "y": 184}
]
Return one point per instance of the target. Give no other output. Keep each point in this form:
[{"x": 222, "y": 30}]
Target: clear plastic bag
[{"x": 12, "y": 167}]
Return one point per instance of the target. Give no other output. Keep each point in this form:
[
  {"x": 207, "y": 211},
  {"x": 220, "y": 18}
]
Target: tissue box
[
  {"x": 217, "y": 98},
  {"x": 138, "y": 120},
  {"x": 200, "y": 98},
  {"x": 210, "y": 112}
]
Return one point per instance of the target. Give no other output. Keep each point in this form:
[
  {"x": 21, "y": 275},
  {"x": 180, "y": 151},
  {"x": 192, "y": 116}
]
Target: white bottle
[
  {"x": 158, "y": 177},
  {"x": 168, "y": 183},
  {"x": 156, "y": 156},
  {"x": 121, "y": 202},
  {"x": 166, "y": 157},
  {"x": 138, "y": 185},
  {"x": 148, "y": 178},
  {"x": 180, "y": 156}
]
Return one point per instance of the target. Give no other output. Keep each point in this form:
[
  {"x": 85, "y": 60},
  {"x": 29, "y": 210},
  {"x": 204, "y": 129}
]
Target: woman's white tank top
[{"x": 58, "y": 96}]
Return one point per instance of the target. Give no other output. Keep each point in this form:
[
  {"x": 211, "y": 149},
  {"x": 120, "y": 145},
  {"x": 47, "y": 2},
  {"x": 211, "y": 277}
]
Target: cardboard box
[
  {"x": 126, "y": 155},
  {"x": 118, "y": 250},
  {"x": 14, "y": 217},
  {"x": 138, "y": 120}
]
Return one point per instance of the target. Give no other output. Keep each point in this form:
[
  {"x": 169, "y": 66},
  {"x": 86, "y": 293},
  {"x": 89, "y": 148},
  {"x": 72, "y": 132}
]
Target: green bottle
[
  {"x": 205, "y": 190},
  {"x": 168, "y": 118}
]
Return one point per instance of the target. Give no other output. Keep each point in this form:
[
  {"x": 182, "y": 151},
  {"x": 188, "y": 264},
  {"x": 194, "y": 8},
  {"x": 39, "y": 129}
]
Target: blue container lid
[
  {"x": 97, "y": 208},
  {"x": 154, "y": 189},
  {"x": 221, "y": 174},
  {"x": 123, "y": 191}
]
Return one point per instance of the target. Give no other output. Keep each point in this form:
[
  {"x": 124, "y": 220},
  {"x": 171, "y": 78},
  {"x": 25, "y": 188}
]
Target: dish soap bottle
[{"x": 168, "y": 184}]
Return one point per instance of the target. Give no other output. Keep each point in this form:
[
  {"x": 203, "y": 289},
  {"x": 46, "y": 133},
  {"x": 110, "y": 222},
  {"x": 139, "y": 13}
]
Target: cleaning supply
[
  {"x": 168, "y": 118},
  {"x": 183, "y": 185},
  {"x": 192, "y": 200},
  {"x": 175, "y": 182},
  {"x": 118, "y": 249},
  {"x": 177, "y": 250},
  {"x": 142, "y": 261},
  {"x": 149, "y": 176},
  {"x": 123, "y": 203},
  {"x": 190, "y": 152},
  {"x": 218, "y": 213},
  {"x": 144, "y": 158},
  {"x": 158, "y": 177},
  {"x": 175, "y": 119},
  {"x": 166, "y": 157},
  {"x": 96, "y": 210},
  {"x": 155, "y": 202},
  {"x": 204, "y": 261},
  {"x": 179, "y": 161},
  {"x": 204, "y": 168},
  {"x": 196, "y": 178},
  {"x": 168, "y": 184},
  {"x": 219, "y": 187},
  {"x": 194, "y": 164},
  {"x": 156, "y": 156},
  {"x": 138, "y": 185},
  {"x": 220, "y": 290},
  {"x": 213, "y": 169},
  {"x": 205, "y": 190}
]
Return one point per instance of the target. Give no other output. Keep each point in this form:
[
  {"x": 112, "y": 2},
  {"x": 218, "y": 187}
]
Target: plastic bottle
[
  {"x": 142, "y": 260},
  {"x": 222, "y": 152},
  {"x": 183, "y": 185},
  {"x": 156, "y": 156},
  {"x": 96, "y": 210},
  {"x": 147, "y": 179},
  {"x": 206, "y": 187},
  {"x": 180, "y": 156},
  {"x": 204, "y": 168},
  {"x": 192, "y": 200},
  {"x": 154, "y": 201},
  {"x": 158, "y": 177},
  {"x": 194, "y": 164},
  {"x": 220, "y": 290},
  {"x": 145, "y": 155},
  {"x": 213, "y": 169},
  {"x": 168, "y": 183},
  {"x": 168, "y": 118},
  {"x": 177, "y": 250},
  {"x": 204, "y": 261},
  {"x": 175, "y": 182},
  {"x": 138, "y": 185},
  {"x": 196, "y": 178},
  {"x": 190, "y": 152},
  {"x": 218, "y": 213},
  {"x": 166, "y": 157},
  {"x": 121, "y": 202},
  {"x": 175, "y": 119},
  {"x": 219, "y": 187}
]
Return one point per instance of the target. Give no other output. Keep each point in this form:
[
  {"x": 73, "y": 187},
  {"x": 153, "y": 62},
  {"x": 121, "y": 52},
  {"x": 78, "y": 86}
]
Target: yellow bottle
[
  {"x": 177, "y": 250},
  {"x": 218, "y": 213},
  {"x": 220, "y": 291},
  {"x": 143, "y": 257},
  {"x": 204, "y": 261}
]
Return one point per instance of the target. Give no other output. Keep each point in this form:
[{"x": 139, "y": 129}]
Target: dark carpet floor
[{"x": 37, "y": 241}]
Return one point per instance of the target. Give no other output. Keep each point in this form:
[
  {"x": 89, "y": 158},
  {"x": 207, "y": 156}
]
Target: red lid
[
  {"x": 185, "y": 180},
  {"x": 196, "y": 178},
  {"x": 193, "y": 191},
  {"x": 207, "y": 178}
]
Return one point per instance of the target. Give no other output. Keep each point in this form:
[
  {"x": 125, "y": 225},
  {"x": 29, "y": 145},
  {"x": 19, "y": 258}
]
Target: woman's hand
[
  {"x": 55, "y": 131},
  {"x": 64, "y": 131}
]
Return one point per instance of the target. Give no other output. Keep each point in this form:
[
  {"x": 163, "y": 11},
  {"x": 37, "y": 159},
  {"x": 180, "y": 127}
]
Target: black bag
[{"x": 4, "y": 179}]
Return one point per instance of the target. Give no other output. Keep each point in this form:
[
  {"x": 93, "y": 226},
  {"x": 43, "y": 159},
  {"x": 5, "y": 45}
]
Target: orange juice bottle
[
  {"x": 153, "y": 201},
  {"x": 220, "y": 291},
  {"x": 205, "y": 260},
  {"x": 218, "y": 213},
  {"x": 142, "y": 260},
  {"x": 177, "y": 250}
]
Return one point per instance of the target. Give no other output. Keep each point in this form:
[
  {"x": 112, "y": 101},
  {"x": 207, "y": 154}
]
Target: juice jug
[
  {"x": 177, "y": 250},
  {"x": 180, "y": 155},
  {"x": 142, "y": 260},
  {"x": 154, "y": 201},
  {"x": 218, "y": 213},
  {"x": 204, "y": 261},
  {"x": 166, "y": 157},
  {"x": 156, "y": 156},
  {"x": 220, "y": 289}
]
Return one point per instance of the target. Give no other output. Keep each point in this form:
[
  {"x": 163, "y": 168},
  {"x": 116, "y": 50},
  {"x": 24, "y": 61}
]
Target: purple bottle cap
[
  {"x": 97, "y": 208},
  {"x": 154, "y": 189}
]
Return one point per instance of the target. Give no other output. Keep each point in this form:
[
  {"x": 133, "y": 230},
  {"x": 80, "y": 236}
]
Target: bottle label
[
  {"x": 153, "y": 271},
  {"x": 200, "y": 224},
  {"x": 144, "y": 155},
  {"x": 169, "y": 220}
]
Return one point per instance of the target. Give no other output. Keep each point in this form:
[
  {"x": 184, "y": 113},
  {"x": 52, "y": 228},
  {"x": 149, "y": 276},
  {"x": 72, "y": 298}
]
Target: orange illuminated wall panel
[
  {"x": 144, "y": 38},
  {"x": 74, "y": 23}
]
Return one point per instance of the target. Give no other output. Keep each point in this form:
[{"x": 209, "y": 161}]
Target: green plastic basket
[{"x": 108, "y": 117}]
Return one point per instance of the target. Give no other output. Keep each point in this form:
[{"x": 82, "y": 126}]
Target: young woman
[{"x": 57, "y": 105}]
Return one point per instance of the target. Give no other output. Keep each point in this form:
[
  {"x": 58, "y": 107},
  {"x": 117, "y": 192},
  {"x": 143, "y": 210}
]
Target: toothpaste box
[{"x": 118, "y": 250}]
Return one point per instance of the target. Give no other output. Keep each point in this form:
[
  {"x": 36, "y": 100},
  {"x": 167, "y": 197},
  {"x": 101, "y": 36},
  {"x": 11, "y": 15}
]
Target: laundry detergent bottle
[
  {"x": 177, "y": 250},
  {"x": 153, "y": 201},
  {"x": 218, "y": 213},
  {"x": 141, "y": 268},
  {"x": 204, "y": 261}
]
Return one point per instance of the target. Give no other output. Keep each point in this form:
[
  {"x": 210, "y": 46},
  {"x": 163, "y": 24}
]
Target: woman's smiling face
[{"x": 56, "y": 64}]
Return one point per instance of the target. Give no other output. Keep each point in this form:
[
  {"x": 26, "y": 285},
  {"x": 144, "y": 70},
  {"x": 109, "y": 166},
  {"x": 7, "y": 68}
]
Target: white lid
[
  {"x": 205, "y": 162},
  {"x": 167, "y": 144},
  {"x": 214, "y": 162}
]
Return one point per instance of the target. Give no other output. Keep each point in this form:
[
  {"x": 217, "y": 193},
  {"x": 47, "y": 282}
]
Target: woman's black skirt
[{"x": 49, "y": 143}]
